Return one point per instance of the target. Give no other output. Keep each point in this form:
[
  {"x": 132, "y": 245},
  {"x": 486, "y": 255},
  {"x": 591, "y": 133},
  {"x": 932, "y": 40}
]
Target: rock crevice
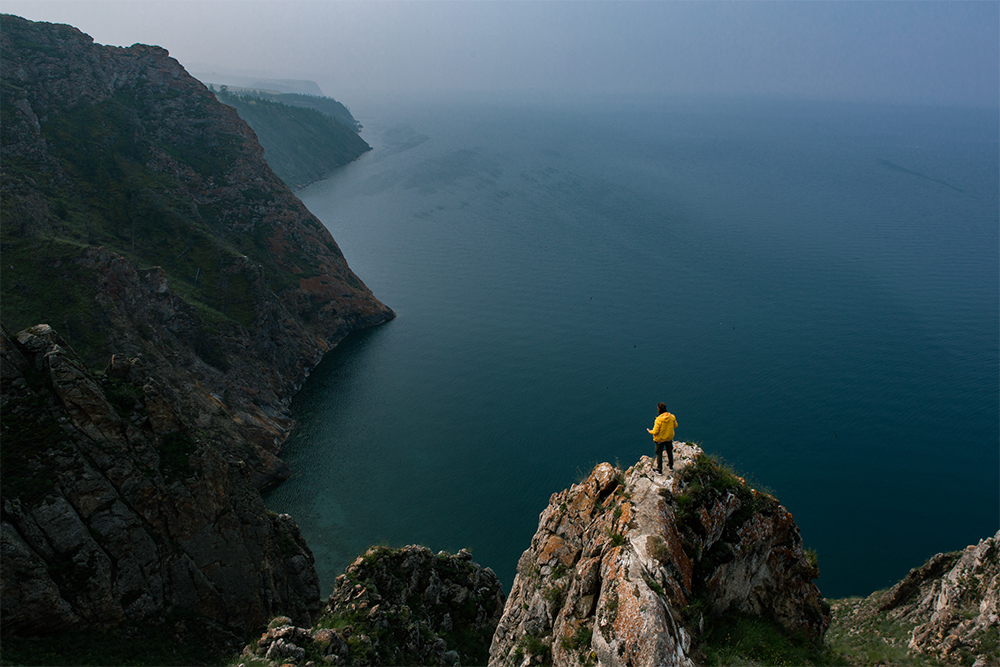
[{"x": 107, "y": 520}]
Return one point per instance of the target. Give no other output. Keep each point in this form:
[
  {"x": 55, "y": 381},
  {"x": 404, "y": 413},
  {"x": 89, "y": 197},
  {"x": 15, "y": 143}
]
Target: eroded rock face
[
  {"x": 405, "y": 606},
  {"x": 626, "y": 566},
  {"x": 953, "y": 599},
  {"x": 114, "y": 511}
]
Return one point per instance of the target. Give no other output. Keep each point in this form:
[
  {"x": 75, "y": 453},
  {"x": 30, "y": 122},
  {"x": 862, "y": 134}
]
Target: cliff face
[
  {"x": 115, "y": 512},
  {"x": 947, "y": 610},
  {"x": 630, "y": 568},
  {"x": 141, "y": 221},
  {"x": 140, "y": 218},
  {"x": 302, "y": 144}
]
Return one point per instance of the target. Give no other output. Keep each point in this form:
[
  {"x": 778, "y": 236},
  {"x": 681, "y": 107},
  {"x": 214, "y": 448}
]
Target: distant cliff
[
  {"x": 301, "y": 143},
  {"x": 325, "y": 105},
  {"x": 141, "y": 221}
]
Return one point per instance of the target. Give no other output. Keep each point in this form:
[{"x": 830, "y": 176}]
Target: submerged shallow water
[{"x": 812, "y": 290}]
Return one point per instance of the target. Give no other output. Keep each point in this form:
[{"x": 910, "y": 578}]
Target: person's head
[{"x": 662, "y": 407}]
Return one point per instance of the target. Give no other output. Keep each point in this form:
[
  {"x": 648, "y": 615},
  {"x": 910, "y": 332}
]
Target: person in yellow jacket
[{"x": 663, "y": 436}]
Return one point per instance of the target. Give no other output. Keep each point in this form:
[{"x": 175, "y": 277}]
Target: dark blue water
[{"x": 812, "y": 290}]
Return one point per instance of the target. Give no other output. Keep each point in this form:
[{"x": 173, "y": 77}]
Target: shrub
[
  {"x": 556, "y": 595},
  {"x": 580, "y": 640},
  {"x": 123, "y": 396},
  {"x": 535, "y": 646}
]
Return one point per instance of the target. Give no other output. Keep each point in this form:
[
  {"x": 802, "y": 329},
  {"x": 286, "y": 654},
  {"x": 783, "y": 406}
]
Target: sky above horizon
[{"x": 927, "y": 53}]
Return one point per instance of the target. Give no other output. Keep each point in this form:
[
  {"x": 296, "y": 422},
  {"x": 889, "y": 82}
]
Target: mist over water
[{"x": 812, "y": 290}]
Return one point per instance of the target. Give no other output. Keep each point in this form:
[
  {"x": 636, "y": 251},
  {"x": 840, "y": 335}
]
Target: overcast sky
[{"x": 939, "y": 53}]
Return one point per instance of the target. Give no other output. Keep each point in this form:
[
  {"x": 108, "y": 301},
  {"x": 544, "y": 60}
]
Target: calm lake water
[{"x": 811, "y": 289}]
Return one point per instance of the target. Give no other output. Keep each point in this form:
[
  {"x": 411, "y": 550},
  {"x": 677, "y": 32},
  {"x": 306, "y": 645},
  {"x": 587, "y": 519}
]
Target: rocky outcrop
[
  {"x": 405, "y": 606},
  {"x": 947, "y": 609},
  {"x": 630, "y": 567},
  {"x": 115, "y": 512}
]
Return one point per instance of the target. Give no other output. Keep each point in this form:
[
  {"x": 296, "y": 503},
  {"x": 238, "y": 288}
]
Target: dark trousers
[{"x": 667, "y": 445}]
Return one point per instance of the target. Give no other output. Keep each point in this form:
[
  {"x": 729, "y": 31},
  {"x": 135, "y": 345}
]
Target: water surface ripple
[{"x": 812, "y": 290}]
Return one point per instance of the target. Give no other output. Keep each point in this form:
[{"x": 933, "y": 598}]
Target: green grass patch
[
  {"x": 741, "y": 639},
  {"x": 122, "y": 395},
  {"x": 579, "y": 640},
  {"x": 556, "y": 595},
  {"x": 869, "y": 638},
  {"x": 46, "y": 286},
  {"x": 536, "y": 646},
  {"x": 708, "y": 480}
]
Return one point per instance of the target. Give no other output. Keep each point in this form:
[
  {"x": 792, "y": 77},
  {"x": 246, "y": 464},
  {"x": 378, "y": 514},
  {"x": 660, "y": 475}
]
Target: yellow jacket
[{"x": 663, "y": 428}]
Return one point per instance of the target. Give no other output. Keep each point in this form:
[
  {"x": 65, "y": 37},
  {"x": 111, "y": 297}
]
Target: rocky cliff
[
  {"x": 141, "y": 221},
  {"x": 140, "y": 218},
  {"x": 946, "y": 611},
  {"x": 115, "y": 512},
  {"x": 302, "y": 144},
  {"x": 634, "y": 568}
]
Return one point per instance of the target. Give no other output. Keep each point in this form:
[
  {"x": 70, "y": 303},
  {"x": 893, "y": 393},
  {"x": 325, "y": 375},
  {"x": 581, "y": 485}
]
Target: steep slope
[
  {"x": 301, "y": 144},
  {"x": 946, "y": 611},
  {"x": 634, "y": 568},
  {"x": 140, "y": 218},
  {"x": 114, "y": 512}
]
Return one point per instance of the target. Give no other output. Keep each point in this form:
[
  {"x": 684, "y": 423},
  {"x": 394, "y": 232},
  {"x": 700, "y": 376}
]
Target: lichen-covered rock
[
  {"x": 412, "y": 606},
  {"x": 405, "y": 606},
  {"x": 627, "y": 567},
  {"x": 115, "y": 512}
]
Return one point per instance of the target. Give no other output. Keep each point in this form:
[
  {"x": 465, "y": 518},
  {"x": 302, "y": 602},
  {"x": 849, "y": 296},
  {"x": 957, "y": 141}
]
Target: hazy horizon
[{"x": 917, "y": 53}]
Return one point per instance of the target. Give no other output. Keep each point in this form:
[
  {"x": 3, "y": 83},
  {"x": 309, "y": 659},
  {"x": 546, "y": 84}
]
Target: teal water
[{"x": 812, "y": 290}]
